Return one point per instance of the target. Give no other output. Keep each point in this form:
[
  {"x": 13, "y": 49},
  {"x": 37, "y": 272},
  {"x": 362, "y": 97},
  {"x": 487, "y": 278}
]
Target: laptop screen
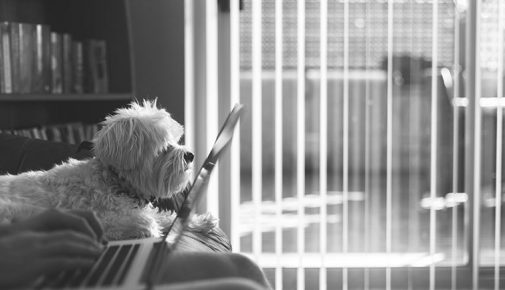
[
  {"x": 194, "y": 195},
  {"x": 195, "y": 192}
]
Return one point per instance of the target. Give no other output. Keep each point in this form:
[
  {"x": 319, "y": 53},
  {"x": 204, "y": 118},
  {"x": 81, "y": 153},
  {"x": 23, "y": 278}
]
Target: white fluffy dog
[{"x": 138, "y": 165}]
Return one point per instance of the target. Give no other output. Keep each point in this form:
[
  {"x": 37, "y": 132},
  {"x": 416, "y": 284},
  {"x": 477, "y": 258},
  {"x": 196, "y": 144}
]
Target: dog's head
[{"x": 141, "y": 143}]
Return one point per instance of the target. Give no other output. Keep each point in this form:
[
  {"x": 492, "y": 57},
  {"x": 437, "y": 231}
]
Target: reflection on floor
[{"x": 366, "y": 223}]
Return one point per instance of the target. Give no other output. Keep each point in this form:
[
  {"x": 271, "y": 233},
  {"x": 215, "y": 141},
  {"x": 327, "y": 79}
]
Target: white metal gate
[{"x": 370, "y": 156}]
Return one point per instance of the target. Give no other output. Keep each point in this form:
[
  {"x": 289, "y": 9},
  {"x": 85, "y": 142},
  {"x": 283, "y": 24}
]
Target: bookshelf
[{"x": 108, "y": 21}]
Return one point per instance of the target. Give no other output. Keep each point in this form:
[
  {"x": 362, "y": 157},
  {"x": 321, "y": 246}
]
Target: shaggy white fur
[{"x": 138, "y": 159}]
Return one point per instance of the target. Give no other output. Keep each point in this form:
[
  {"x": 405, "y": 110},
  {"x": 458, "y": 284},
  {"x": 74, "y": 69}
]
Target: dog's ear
[{"x": 124, "y": 143}]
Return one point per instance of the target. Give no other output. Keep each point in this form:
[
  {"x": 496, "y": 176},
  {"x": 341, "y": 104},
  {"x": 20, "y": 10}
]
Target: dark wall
[{"x": 158, "y": 50}]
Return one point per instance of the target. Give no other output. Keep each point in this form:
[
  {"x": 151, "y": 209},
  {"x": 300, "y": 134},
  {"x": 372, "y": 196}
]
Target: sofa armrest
[{"x": 19, "y": 154}]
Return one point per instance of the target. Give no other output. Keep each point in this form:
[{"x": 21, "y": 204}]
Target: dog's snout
[{"x": 188, "y": 156}]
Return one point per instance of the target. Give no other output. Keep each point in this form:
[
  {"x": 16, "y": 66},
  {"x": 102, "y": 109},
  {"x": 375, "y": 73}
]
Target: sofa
[{"x": 19, "y": 154}]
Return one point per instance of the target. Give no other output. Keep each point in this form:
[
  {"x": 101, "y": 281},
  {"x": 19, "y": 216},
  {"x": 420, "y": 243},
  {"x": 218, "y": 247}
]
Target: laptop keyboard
[
  {"x": 149, "y": 262},
  {"x": 109, "y": 270}
]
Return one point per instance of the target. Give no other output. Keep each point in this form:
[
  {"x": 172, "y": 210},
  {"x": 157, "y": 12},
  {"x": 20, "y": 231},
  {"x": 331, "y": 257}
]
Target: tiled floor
[{"x": 410, "y": 224}]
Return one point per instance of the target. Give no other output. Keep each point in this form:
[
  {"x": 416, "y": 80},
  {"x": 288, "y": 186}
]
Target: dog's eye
[{"x": 168, "y": 148}]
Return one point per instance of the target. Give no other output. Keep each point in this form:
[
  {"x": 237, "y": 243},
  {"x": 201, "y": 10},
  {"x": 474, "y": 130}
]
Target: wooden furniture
[{"x": 108, "y": 20}]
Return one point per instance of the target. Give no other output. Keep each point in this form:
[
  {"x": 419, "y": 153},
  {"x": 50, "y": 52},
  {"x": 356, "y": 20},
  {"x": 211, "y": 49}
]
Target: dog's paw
[
  {"x": 130, "y": 234},
  {"x": 203, "y": 223}
]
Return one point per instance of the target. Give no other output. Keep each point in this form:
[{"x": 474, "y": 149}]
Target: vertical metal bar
[
  {"x": 211, "y": 75},
  {"x": 257, "y": 141},
  {"x": 323, "y": 141},
  {"x": 235, "y": 145},
  {"x": 278, "y": 140},
  {"x": 434, "y": 140},
  {"x": 189, "y": 77},
  {"x": 477, "y": 156},
  {"x": 455, "y": 149},
  {"x": 345, "y": 157},
  {"x": 200, "y": 88},
  {"x": 389, "y": 141},
  {"x": 413, "y": 229},
  {"x": 224, "y": 99},
  {"x": 300, "y": 136},
  {"x": 499, "y": 151},
  {"x": 473, "y": 134},
  {"x": 368, "y": 57}
]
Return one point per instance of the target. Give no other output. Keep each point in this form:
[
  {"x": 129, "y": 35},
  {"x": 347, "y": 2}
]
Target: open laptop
[{"x": 137, "y": 264}]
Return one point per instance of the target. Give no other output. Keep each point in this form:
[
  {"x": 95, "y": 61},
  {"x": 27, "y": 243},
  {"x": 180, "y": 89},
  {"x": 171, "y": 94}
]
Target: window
[{"x": 371, "y": 150}]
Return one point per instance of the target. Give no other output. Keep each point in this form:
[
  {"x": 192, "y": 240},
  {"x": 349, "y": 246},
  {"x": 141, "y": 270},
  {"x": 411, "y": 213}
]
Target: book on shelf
[
  {"x": 95, "y": 69},
  {"x": 66, "y": 40},
  {"x": 42, "y": 63},
  {"x": 78, "y": 67},
  {"x": 56, "y": 133},
  {"x": 43, "y": 134},
  {"x": 79, "y": 134},
  {"x": 5, "y": 59},
  {"x": 2, "y": 81},
  {"x": 65, "y": 135},
  {"x": 56, "y": 63},
  {"x": 35, "y": 133},
  {"x": 15, "y": 54},
  {"x": 26, "y": 56},
  {"x": 101, "y": 78}
]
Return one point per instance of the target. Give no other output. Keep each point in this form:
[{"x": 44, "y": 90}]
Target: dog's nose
[{"x": 188, "y": 156}]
